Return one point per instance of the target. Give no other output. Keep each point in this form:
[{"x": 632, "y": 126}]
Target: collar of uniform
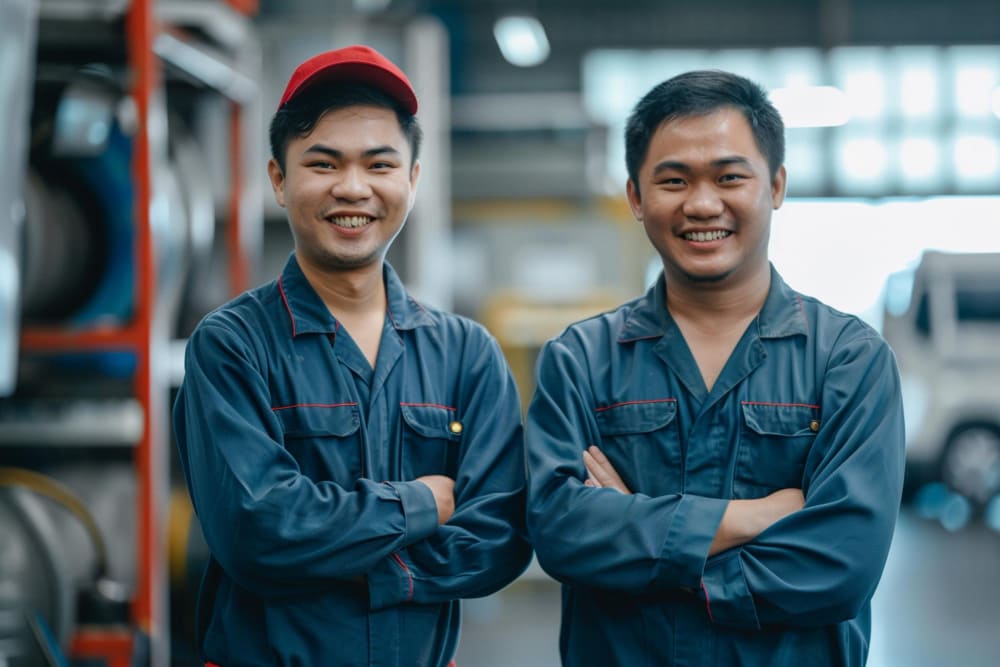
[
  {"x": 309, "y": 314},
  {"x": 649, "y": 317},
  {"x": 307, "y": 311},
  {"x": 782, "y": 313},
  {"x": 404, "y": 311}
]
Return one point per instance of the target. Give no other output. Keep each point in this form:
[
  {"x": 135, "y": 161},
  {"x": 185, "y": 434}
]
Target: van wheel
[{"x": 971, "y": 464}]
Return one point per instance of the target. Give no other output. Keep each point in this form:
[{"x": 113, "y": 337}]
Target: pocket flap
[
  {"x": 636, "y": 416},
  {"x": 432, "y": 421},
  {"x": 781, "y": 419},
  {"x": 318, "y": 419}
]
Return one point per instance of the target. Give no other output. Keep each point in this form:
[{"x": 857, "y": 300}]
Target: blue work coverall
[
  {"x": 810, "y": 398},
  {"x": 300, "y": 457}
]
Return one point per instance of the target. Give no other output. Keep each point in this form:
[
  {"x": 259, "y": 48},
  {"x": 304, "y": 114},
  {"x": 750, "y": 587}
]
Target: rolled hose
[{"x": 48, "y": 487}]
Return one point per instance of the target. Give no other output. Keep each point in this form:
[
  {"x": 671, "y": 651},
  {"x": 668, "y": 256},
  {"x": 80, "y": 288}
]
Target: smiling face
[
  {"x": 347, "y": 187},
  {"x": 705, "y": 196}
]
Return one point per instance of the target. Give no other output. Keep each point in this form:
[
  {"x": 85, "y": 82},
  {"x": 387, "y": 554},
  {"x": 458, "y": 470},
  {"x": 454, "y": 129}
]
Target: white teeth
[
  {"x": 706, "y": 236},
  {"x": 350, "y": 221}
]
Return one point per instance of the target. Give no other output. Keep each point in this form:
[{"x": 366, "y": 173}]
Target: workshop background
[{"x": 133, "y": 199}]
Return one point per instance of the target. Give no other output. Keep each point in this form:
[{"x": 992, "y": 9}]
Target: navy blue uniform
[
  {"x": 809, "y": 399},
  {"x": 300, "y": 458}
]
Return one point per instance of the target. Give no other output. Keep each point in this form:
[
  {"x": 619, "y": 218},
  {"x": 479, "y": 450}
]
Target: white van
[{"x": 942, "y": 319}]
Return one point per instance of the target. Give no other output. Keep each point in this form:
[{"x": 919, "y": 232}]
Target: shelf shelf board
[
  {"x": 71, "y": 422},
  {"x": 57, "y": 339}
]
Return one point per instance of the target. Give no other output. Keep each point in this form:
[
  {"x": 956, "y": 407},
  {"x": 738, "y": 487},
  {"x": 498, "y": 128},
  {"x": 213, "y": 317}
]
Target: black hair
[
  {"x": 298, "y": 116},
  {"x": 697, "y": 93}
]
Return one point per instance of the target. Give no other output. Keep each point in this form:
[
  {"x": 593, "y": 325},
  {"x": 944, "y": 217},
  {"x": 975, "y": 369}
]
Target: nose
[
  {"x": 703, "y": 202},
  {"x": 352, "y": 184}
]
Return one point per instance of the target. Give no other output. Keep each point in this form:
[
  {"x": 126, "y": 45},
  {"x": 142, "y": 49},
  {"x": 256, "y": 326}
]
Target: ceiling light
[{"x": 522, "y": 40}]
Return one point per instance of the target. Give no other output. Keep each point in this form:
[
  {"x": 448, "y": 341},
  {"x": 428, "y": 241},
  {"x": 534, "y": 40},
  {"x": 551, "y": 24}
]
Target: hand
[
  {"x": 780, "y": 504},
  {"x": 600, "y": 472},
  {"x": 443, "y": 489},
  {"x": 744, "y": 520}
]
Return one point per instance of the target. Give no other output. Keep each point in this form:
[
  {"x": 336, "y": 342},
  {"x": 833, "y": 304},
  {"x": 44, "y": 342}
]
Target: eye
[
  {"x": 320, "y": 164},
  {"x": 383, "y": 165},
  {"x": 671, "y": 182},
  {"x": 731, "y": 178}
]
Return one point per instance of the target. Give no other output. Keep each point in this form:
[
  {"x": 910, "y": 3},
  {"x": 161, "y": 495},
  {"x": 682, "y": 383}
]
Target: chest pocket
[
  {"x": 774, "y": 443},
  {"x": 431, "y": 441},
  {"x": 642, "y": 442},
  {"x": 324, "y": 440}
]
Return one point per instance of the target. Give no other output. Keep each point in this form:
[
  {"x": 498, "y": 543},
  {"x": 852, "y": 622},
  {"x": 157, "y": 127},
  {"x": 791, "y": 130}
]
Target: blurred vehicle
[{"x": 942, "y": 319}]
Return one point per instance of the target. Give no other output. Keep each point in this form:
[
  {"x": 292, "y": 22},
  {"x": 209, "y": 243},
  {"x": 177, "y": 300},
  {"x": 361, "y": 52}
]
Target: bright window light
[
  {"x": 919, "y": 91},
  {"x": 863, "y": 158},
  {"x": 866, "y": 91},
  {"x": 794, "y": 67},
  {"x": 977, "y": 159},
  {"x": 996, "y": 102},
  {"x": 806, "y": 164},
  {"x": 811, "y": 106},
  {"x": 880, "y": 238},
  {"x": 522, "y": 40},
  {"x": 974, "y": 89},
  {"x": 861, "y": 72},
  {"x": 920, "y": 161}
]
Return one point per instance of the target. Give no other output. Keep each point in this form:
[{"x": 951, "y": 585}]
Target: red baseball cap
[{"x": 355, "y": 63}]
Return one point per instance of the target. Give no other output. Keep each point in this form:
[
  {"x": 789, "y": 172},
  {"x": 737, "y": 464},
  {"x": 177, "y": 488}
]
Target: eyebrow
[
  {"x": 674, "y": 165},
  {"x": 334, "y": 153}
]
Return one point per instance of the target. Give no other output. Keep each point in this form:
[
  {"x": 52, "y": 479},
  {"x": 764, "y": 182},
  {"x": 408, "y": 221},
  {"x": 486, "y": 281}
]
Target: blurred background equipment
[
  {"x": 943, "y": 321},
  {"x": 124, "y": 215},
  {"x": 17, "y": 35}
]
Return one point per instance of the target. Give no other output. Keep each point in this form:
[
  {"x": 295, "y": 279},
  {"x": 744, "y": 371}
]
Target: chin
[{"x": 705, "y": 274}]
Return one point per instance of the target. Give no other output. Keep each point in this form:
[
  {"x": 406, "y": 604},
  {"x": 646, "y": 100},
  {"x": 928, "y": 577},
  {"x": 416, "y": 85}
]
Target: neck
[
  {"x": 351, "y": 293},
  {"x": 715, "y": 305}
]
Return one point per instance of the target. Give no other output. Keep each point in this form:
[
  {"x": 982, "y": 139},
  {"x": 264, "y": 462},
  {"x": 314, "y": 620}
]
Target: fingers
[{"x": 601, "y": 474}]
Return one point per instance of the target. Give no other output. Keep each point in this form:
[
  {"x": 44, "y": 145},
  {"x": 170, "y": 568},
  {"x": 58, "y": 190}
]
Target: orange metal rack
[{"x": 123, "y": 646}]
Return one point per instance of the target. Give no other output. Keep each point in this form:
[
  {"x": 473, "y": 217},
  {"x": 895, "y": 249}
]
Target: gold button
[
  {"x": 455, "y": 427},
  {"x": 814, "y": 425}
]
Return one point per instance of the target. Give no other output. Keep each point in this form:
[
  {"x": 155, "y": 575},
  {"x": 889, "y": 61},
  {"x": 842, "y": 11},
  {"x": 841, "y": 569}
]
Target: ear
[
  {"x": 414, "y": 177},
  {"x": 778, "y": 184},
  {"x": 634, "y": 199},
  {"x": 277, "y": 178}
]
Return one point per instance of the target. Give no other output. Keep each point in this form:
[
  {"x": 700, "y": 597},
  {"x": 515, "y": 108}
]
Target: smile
[
  {"x": 350, "y": 221},
  {"x": 706, "y": 236}
]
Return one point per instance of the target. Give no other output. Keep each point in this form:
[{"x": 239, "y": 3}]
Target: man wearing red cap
[{"x": 354, "y": 457}]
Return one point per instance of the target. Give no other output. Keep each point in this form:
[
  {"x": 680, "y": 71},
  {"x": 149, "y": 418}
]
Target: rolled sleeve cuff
[
  {"x": 690, "y": 536},
  {"x": 728, "y": 600},
  {"x": 419, "y": 510}
]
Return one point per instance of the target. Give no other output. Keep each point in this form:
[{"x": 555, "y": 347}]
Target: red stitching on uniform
[
  {"x": 313, "y": 405},
  {"x": 781, "y": 405},
  {"x": 708, "y": 603},
  {"x": 652, "y": 400},
  {"x": 427, "y": 405},
  {"x": 284, "y": 297},
  {"x": 409, "y": 575}
]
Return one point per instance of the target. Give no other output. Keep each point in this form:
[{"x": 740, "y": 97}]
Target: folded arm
[
  {"x": 272, "y": 529},
  {"x": 820, "y": 565},
  {"x": 483, "y": 546}
]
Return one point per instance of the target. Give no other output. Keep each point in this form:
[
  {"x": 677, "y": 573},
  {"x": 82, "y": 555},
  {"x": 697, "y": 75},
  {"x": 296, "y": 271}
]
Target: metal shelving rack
[{"x": 145, "y": 639}]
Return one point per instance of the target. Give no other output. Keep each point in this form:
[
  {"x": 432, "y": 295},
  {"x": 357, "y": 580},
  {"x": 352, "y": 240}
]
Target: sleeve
[
  {"x": 484, "y": 545},
  {"x": 599, "y": 537},
  {"x": 272, "y": 529},
  {"x": 821, "y": 564}
]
